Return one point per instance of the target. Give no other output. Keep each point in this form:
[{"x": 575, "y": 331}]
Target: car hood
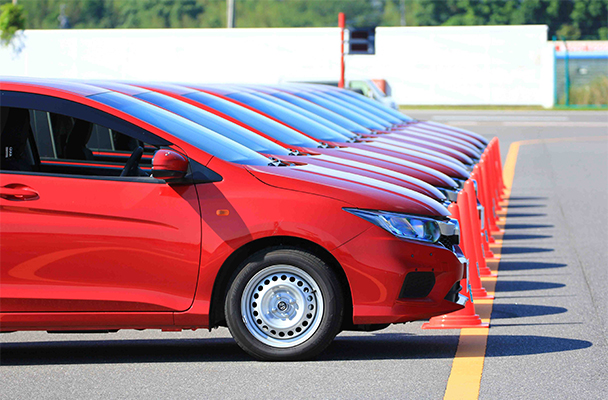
[{"x": 353, "y": 189}]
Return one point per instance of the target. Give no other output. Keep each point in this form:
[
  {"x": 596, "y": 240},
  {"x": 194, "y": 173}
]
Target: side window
[
  {"x": 49, "y": 142},
  {"x": 18, "y": 150}
]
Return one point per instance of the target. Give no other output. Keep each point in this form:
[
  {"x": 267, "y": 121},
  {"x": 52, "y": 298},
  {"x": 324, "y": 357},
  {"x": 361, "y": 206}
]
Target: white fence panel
[{"x": 424, "y": 65}]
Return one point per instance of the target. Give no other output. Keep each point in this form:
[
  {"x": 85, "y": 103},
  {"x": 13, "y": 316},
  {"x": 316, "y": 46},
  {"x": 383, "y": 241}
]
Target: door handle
[{"x": 18, "y": 192}]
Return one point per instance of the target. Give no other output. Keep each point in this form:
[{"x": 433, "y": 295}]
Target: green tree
[
  {"x": 391, "y": 15},
  {"x": 589, "y": 17},
  {"x": 12, "y": 20}
]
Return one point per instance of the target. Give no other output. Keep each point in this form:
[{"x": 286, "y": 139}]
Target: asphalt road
[{"x": 548, "y": 335}]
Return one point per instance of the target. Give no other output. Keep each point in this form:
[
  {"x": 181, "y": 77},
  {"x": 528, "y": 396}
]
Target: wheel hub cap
[{"x": 282, "y": 306}]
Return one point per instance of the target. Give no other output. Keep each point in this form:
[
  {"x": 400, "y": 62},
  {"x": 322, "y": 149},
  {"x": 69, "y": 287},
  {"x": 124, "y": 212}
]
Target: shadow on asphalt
[
  {"x": 493, "y": 325},
  {"x": 527, "y": 265},
  {"x": 521, "y": 250},
  {"x": 523, "y": 236},
  {"x": 511, "y": 206},
  {"x": 524, "y": 310},
  {"x": 520, "y": 345},
  {"x": 516, "y": 286},
  {"x": 509, "y": 226},
  {"x": 522, "y": 215},
  {"x": 516, "y": 198},
  {"x": 379, "y": 346},
  {"x": 540, "y": 296}
]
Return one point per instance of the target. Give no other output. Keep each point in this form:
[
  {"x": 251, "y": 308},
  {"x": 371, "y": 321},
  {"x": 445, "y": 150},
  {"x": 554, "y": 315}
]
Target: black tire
[{"x": 303, "y": 334}]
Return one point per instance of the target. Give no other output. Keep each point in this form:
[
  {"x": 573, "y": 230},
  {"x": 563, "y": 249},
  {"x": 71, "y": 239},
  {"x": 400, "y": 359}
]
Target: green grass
[{"x": 594, "y": 94}]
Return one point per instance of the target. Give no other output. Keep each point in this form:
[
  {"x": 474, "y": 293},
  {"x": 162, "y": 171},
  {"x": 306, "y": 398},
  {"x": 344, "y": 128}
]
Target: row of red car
[{"x": 287, "y": 213}]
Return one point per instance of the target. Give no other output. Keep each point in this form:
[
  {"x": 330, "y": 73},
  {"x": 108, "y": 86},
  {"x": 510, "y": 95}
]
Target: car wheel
[{"x": 284, "y": 304}]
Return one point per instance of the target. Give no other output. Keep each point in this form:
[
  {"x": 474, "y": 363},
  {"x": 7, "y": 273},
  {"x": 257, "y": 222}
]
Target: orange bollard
[
  {"x": 478, "y": 175},
  {"x": 499, "y": 163},
  {"x": 468, "y": 241},
  {"x": 483, "y": 224},
  {"x": 490, "y": 205},
  {"x": 487, "y": 210},
  {"x": 494, "y": 180},
  {"x": 465, "y": 318},
  {"x": 495, "y": 197},
  {"x": 476, "y": 231}
]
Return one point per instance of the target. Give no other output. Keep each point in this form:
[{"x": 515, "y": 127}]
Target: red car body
[{"x": 97, "y": 252}]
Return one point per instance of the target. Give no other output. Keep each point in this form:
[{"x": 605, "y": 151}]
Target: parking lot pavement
[{"x": 548, "y": 335}]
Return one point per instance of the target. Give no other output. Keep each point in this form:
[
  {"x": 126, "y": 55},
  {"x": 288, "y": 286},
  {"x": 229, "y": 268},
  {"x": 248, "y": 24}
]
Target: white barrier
[{"x": 509, "y": 65}]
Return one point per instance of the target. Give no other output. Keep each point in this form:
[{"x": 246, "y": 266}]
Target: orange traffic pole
[
  {"x": 467, "y": 237},
  {"x": 477, "y": 175},
  {"x": 476, "y": 231},
  {"x": 464, "y": 318},
  {"x": 342, "y": 25}
]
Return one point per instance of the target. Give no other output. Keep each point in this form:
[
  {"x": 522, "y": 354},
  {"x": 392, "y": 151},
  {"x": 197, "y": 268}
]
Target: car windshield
[
  {"x": 259, "y": 122},
  {"x": 358, "y": 103},
  {"x": 309, "y": 114},
  {"x": 357, "y": 109},
  {"x": 201, "y": 137},
  {"x": 281, "y": 113},
  {"x": 374, "y": 103},
  {"x": 216, "y": 123},
  {"x": 323, "y": 112},
  {"x": 335, "y": 107}
]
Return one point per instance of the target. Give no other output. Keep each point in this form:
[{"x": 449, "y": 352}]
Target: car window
[
  {"x": 322, "y": 111},
  {"x": 375, "y": 104},
  {"x": 308, "y": 114},
  {"x": 357, "y": 109},
  {"x": 216, "y": 123},
  {"x": 365, "y": 106},
  {"x": 48, "y": 142},
  {"x": 255, "y": 120},
  {"x": 299, "y": 122},
  {"x": 337, "y": 108},
  {"x": 184, "y": 129}
]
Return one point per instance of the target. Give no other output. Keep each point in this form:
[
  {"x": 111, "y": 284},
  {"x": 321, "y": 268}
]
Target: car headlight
[
  {"x": 408, "y": 226},
  {"x": 459, "y": 182},
  {"x": 450, "y": 194}
]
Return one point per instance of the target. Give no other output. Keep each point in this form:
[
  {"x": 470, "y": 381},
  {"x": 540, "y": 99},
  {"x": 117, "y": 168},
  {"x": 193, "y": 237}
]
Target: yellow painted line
[{"x": 467, "y": 368}]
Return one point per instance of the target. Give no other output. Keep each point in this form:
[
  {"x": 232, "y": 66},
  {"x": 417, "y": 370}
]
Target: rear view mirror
[{"x": 169, "y": 165}]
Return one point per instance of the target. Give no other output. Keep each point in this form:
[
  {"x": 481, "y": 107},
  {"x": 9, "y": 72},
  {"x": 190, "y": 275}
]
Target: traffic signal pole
[{"x": 342, "y": 25}]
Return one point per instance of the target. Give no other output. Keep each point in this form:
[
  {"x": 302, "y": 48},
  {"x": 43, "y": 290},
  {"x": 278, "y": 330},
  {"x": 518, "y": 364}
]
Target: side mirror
[{"x": 169, "y": 165}]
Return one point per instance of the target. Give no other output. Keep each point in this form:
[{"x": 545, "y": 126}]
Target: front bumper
[{"x": 376, "y": 265}]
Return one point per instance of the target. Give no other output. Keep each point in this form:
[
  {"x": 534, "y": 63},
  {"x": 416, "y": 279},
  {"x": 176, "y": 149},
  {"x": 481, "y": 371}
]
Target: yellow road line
[{"x": 467, "y": 368}]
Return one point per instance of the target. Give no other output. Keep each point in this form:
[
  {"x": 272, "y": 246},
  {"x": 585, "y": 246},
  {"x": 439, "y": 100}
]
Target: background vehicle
[
  {"x": 287, "y": 136},
  {"x": 220, "y": 124}
]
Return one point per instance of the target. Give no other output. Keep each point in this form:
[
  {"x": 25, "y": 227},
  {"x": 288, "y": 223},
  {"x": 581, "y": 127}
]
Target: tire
[{"x": 284, "y": 304}]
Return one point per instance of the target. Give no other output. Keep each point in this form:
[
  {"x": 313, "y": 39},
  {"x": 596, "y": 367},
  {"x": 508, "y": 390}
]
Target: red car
[{"x": 196, "y": 231}]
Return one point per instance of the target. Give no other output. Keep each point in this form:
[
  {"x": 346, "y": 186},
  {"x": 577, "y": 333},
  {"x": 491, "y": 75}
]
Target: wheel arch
[{"x": 230, "y": 265}]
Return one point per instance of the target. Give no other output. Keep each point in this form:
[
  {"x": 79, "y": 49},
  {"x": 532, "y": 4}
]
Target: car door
[{"x": 75, "y": 236}]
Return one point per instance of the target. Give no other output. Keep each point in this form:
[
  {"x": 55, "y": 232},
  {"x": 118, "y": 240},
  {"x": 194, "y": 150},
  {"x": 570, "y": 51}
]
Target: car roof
[
  {"x": 223, "y": 90},
  {"x": 174, "y": 88},
  {"x": 119, "y": 87},
  {"x": 76, "y": 88}
]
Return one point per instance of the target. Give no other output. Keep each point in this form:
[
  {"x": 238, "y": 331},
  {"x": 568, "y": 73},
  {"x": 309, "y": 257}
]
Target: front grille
[
  {"x": 417, "y": 285},
  {"x": 453, "y": 293},
  {"x": 448, "y": 241}
]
